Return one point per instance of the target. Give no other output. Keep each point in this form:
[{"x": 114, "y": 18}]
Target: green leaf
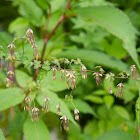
[
  {"x": 116, "y": 135},
  {"x": 30, "y": 10},
  {"x": 54, "y": 100},
  {"x": 109, "y": 18},
  {"x": 16, "y": 124},
  {"x": 94, "y": 99},
  {"x": 95, "y": 57},
  {"x": 36, "y": 130},
  {"x": 22, "y": 78},
  {"x": 10, "y": 97},
  {"x": 109, "y": 100},
  {"x": 1, "y": 135},
  {"x": 82, "y": 106},
  {"x": 19, "y": 26},
  {"x": 54, "y": 85},
  {"x": 5, "y": 40},
  {"x": 122, "y": 112}
]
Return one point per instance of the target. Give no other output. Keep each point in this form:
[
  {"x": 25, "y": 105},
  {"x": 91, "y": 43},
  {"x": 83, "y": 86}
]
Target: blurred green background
[{"x": 102, "y": 116}]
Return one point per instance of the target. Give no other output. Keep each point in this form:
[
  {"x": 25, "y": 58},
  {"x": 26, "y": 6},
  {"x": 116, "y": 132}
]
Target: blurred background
[{"x": 102, "y": 115}]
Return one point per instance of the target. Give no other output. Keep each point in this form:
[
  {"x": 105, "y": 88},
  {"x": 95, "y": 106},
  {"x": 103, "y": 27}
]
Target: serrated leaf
[
  {"x": 10, "y": 97},
  {"x": 95, "y": 57},
  {"x": 36, "y": 130},
  {"x": 54, "y": 100},
  {"x": 109, "y": 18}
]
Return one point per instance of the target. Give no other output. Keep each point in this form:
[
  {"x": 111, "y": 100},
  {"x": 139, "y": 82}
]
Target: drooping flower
[
  {"x": 63, "y": 75},
  {"x": 12, "y": 46},
  {"x": 35, "y": 114},
  {"x": 46, "y": 104},
  {"x": 97, "y": 76},
  {"x": 119, "y": 91},
  {"x": 27, "y": 103},
  {"x": 58, "y": 109},
  {"x": 84, "y": 76},
  {"x": 134, "y": 72},
  {"x": 76, "y": 112},
  {"x": 71, "y": 76},
  {"x": 54, "y": 73},
  {"x": 64, "y": 122},
  {"x": 8, "y": 82}
]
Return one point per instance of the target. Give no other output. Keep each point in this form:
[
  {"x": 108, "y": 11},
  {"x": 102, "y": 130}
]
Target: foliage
[{"x": 64, "y": 61}]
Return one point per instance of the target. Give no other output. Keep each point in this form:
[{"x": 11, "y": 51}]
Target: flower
[
  {"x": 84, "y": 76},
  {"x": 64, "y": 121},
  {"x": 8, "y": 82},
  {"x": 35, "y": 114},
  {"x": 27, "y": 103},
  {"x": 12, "y": 46},
  {"x": 63, "y": 74},
  {"x": 134, "y": 72},
  {"x": 58, "y": 109},
  {"x": 110, "y": 90},
  {"x": 119, "y": 91},
  {"x": 46, "y": 104},
  {"x": 29, "y": 31},
  {"x": 54, "y": 73},
  {"x": 76, "y": 111},
  {"x": 73, "y": 80},
  {"x": 98, "y": 78}
]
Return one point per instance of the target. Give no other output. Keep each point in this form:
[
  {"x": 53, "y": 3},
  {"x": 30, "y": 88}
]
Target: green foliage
[
  {"x": 108, "y": 18},
  {"x": 1, "y": 135},
  {"x": 10, "y": 97},
  {"x": 36, "y": 130},
  {"x": 94, "y": 32}
]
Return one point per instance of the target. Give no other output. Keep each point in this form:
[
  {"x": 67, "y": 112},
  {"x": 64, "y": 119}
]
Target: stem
[{"x": 46, "y": 38}]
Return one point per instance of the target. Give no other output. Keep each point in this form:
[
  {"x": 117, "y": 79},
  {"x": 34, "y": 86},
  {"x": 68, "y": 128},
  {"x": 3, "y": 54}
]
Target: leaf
[
  {"x": 36, "y": 130},
  {"x": 109, "y": 18},
  {"x": 94, "y": 99},
  {"x": 53, "y": 85},
  {"x": 54, "y": 100},
  {"x": 122, "y": 112},
  {"x": 10, "y": 97},
  {"x": 1, "y": 135},
  {"x": 5, "y": 40},
  {"x": 109, "y": 100},
  {"x": 19, "y": 26},
  {"x": 83, "y": 107},
  {"x": 16, "y": 124},
  {"x": 30, "y": 10},
  {"x": 116, "y": 135},
  {"x": 95, "y": 57},
  {"x": 22, "y": 78}
]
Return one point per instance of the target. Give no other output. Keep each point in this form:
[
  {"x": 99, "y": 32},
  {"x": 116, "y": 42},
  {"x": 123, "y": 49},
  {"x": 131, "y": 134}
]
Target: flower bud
[
  {"x": 76, "y": 112},
  {"x": 84, "y": 76},
  {"x": 27, "y": 103}
]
